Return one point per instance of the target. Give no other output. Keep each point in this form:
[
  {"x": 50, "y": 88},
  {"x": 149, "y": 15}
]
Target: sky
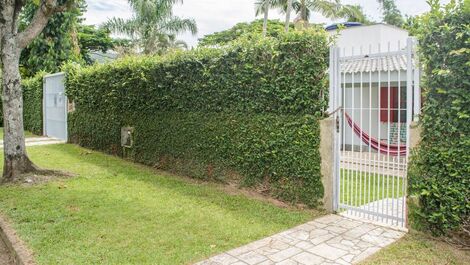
[{"x": 217, "y": 15}]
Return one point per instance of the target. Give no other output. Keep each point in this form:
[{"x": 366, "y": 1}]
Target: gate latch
[{"x": 337, "y": 123}]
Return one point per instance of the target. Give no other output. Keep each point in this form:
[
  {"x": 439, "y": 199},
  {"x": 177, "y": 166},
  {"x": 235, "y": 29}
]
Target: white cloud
[{"x": 216, "y": 15}]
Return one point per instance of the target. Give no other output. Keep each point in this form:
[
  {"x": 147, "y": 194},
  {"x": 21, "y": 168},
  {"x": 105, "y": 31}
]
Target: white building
[{"x": 373, "y": 72}]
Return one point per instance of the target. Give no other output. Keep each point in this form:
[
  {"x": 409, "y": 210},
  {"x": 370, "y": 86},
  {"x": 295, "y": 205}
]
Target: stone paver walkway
[
  {"x": 35, "y": 141},
  {"x": 332, "y": 239}
]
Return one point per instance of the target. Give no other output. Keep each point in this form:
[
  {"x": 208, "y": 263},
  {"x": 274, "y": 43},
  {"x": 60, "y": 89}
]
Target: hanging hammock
[{"x": 378, "y": 145}]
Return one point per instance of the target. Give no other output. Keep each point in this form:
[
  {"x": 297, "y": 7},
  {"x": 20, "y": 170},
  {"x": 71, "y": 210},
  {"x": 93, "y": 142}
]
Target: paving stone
[
  {"x": 286, "y": 262},
  {"x": 300, "y": 235},
  {"x": 365, "y": 254},
  {"x": 318, "y": 232},
  {"x": 307, "y": 258},
  {"x": 336, "y": 229},
  {"x": 321, "y": 239},
  {"x": 252, "y": 258},
  {"x": 224, "y": 259},
  {"x": 329, "y": 219},
  {"x": 285, "y": 254},
  {"x": 360, "y": 230},
  {"x": 330, "y": 239},
  {"x": 328, "y": 252},
  {"x": 304, "y": 245},
  {"x": 267, "y": 262}
]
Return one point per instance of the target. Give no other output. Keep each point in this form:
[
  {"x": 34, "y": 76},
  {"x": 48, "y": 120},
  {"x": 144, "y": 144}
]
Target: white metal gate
[
  {"x": 55, "y": 106},
  {"x": 375, "y": 96}
]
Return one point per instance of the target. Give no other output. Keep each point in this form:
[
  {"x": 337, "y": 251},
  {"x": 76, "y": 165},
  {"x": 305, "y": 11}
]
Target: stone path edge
[{"x": 18, "y": 250}]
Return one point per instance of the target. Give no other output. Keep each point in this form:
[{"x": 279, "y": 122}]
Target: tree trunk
[
  {"x": 288, "y": 11},
  {"x": 16, "y": 161},
  {"x": 266, "y": 14}
]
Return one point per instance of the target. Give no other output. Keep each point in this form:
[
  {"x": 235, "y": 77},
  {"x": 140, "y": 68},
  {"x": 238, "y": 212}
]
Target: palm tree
[
  {"x": 152, "y": 22},
  {"x": 263, "y": 6}
]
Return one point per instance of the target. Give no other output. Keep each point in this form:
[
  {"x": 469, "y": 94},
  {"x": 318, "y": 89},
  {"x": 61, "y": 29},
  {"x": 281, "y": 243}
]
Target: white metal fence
[{"x": 376, "y": 96}]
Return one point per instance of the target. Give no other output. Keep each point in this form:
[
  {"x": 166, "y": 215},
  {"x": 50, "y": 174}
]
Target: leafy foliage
[
  {"x": 56, "y": 44},
  {"x": 93, "y": 39},
  {"x": 248, "y": 111},
  {"x": 275, "y": 28},
  {"x": 153, "y": 25},
  {"x": 440, "y": 173},
  {"x": 391, "y": 13}
]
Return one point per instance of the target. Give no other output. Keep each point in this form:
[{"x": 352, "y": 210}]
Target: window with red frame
[{"x": 389, "y": 99}]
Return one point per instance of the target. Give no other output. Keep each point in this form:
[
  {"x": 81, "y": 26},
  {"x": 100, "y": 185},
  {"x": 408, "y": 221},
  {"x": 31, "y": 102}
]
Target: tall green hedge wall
[
  {"x": 247, "y": 112},
  {"x": 440, "y": 169},
  {"x": 32, "y": 104}
]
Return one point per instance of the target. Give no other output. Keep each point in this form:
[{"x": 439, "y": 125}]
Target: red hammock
[{"x": 380, "y": 146}]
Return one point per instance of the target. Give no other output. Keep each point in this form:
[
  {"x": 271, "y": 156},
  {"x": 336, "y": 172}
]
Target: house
[{"x": 374, "y": 78}]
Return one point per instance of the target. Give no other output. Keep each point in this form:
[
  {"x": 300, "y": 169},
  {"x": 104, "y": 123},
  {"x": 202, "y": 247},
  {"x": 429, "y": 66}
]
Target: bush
[
  {"x": 249, "y": 111},
  {"x": 440, "y": 169},
  {"x": 32, "y": 104}
]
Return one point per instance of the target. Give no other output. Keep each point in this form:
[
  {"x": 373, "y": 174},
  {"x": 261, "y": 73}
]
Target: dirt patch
[
  {"x": 12, "y": 247},
  {"x": 233, "y": 187},
  {"x": 5, "y": 257},
  {"x": 41, "y": 177}
]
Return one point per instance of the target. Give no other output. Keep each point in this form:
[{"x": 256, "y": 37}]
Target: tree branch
[{"x": 46, "y": 9}]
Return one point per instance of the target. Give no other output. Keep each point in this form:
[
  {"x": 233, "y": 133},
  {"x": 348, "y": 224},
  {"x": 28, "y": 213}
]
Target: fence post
[{"x": 327, "y": 131}]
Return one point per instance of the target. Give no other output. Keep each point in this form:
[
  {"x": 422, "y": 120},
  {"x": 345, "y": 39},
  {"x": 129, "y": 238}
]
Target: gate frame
[
  {"x": 413, "y": 109},
  {"x": 44, "y": 112}
]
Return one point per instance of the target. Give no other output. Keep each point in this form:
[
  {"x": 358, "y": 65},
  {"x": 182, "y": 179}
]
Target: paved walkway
[
  {"x": 35, "y": 141},
  {"x": 331, "y": 239}
]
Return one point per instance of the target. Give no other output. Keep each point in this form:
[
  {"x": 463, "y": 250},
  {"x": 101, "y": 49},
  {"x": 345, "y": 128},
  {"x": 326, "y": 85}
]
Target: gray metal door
[{"x": 55, "y": 106}]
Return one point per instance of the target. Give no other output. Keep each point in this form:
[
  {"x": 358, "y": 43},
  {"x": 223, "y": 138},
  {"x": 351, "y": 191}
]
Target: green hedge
[
  {"x": 32, "y": 104},
  {"x": 440, "y": 169},
  {"x": 248, "y": 112}
]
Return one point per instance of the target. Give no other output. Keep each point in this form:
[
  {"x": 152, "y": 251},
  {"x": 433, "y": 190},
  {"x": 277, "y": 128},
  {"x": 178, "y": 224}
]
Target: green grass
[
  {"x": 418, "y": 249},
  {"x": 26, "y": 134},
  {"x": 117, "y": 212},
  {"x": 359, "y": 188}
]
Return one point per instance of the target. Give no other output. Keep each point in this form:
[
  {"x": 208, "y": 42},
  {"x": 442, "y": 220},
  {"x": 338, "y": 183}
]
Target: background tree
[
  {"x": 262, "y": 7},
  {"x": 354, "y": 13},
  {"x": 92, "y": 39},
  {"x": 56, "y": 44},
  {"x": 333, "y": 9},
  {"x": 12, "y": 42},
  {"x": 152, "y": 21},
  {"x": 391, "y": 13},
  {"x": 274, "y": 29}
]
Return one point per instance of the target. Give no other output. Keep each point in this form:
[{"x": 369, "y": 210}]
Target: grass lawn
[
  {"x": 117, "y": 212},
  {"x": 26, "y": 133},
  {"x": 359, "y": 188},
  {"x": 418, "y": 249}
]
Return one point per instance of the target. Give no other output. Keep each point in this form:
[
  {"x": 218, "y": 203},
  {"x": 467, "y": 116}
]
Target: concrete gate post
[{"x": 327, "y": 130}]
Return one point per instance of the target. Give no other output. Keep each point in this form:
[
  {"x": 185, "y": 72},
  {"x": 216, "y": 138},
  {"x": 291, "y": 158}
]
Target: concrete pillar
[
  {"x": 327, "y": 130},
  {"x": 415, "y": 135}
]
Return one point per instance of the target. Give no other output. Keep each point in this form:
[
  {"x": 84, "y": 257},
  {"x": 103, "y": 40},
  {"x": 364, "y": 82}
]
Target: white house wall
[
  {"x": 369, "y": 120},
  {"x": 372, "y": 39}
]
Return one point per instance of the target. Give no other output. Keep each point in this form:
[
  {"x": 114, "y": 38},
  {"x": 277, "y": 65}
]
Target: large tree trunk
[{"x": 16, "y": 161}]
